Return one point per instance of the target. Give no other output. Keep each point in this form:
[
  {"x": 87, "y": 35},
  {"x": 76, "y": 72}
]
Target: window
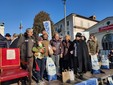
[
  {"x": 67, "y": 23},
  {"x": 68, "y": 32},
  {"x": 107, "y": 41},
  {"x": 61, "y": 26}
]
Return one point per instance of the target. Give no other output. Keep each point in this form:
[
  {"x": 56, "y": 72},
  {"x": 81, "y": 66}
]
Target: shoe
[
  {"x": 102, "y": 72},
  {"x": 76, "y": 76},
  {"x": 81, "y": 77},
  {"x": 58, "y": 74},
  {"x": 38, "y": 84}
]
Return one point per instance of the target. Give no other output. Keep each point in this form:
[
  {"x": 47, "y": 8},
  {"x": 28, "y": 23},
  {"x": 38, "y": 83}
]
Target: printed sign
[{"x": 10, "y": 54}]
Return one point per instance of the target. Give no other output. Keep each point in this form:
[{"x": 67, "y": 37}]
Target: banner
[
  {"x": 105, "y": 28},
  {"x": 47, "y": 26}
]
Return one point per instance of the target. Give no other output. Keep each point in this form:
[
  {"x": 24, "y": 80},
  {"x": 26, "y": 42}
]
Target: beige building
[
  {"x": 75, "y": 23},
  {"x": 104, "y": 33},
  {"x": 2, "y": 29}
]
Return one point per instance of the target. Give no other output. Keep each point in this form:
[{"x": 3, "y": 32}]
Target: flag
[
  {"x": 20, "y": 25},
  {"x": 47, "y": 26}
]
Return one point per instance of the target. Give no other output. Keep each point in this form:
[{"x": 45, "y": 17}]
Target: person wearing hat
[
  {"x": 80, "y": 56},
  {"x": 8, "y": 39}
]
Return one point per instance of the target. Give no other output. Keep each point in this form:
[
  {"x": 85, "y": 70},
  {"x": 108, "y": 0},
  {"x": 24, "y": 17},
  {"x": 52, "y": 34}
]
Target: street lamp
[{"x": 65, "y": 28}]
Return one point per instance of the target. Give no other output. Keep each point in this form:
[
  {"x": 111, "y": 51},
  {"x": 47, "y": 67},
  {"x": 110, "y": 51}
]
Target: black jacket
[{"x": 82, "y": 55}]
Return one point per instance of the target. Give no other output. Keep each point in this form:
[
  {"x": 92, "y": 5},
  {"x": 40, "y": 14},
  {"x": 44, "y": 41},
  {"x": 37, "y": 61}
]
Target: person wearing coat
[
  {"x": 93, "y": 48},
  {"x": 93, "y": 45},
  {"x": 80, "y": 56},
  {"x": 14, "y": 41},
  {"x": 57, "y": 52},
  {"x": 66, "y": 58},
  {"x": 26, "y": 43}
]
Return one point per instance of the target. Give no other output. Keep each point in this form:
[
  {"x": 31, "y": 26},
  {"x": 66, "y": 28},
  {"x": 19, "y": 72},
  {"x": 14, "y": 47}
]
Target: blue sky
[{"x": 12, "y": 12}]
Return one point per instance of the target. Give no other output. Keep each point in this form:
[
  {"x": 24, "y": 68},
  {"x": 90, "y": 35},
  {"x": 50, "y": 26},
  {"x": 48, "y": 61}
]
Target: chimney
[{"x": 93, "y": 17}]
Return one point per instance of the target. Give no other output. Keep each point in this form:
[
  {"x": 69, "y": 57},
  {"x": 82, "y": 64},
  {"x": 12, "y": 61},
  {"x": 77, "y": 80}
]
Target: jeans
[
  {"x": 56, "y": 59},
  {"x": 41, "y": 64}
]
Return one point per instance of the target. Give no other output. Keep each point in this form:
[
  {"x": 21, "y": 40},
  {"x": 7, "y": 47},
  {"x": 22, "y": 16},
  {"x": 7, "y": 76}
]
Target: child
[{"x": 39, "y": 51}]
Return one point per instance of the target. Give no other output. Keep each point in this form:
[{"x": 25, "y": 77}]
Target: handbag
[
  {"x": 50, "y": 50},
  {"x": 68, "y": 76}
]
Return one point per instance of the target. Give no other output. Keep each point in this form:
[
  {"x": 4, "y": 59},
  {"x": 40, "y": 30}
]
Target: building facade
[
  {"x": 104, "y": 33},
  {"x": 75, "y": 23}
]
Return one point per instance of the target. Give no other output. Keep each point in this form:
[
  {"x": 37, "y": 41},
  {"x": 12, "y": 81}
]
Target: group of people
[{"x": 67, "y": 54}]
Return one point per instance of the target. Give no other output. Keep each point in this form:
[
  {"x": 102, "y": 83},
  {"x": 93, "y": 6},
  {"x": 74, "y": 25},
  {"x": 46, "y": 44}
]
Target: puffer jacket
[{"x": 57, "y": 44}]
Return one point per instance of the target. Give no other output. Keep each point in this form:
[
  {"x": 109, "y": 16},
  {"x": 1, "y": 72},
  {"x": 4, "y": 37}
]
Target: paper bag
[
  {"x": 67, "y": 76},
  {"x": 50, "y": 50}
]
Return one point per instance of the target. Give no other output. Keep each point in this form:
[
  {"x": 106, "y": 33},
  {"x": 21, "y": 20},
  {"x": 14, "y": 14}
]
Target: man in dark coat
[
  {"x": 14, "y": 41},
  {"x": 26, "y": 43},
  {"x": 80, "y": 53}
]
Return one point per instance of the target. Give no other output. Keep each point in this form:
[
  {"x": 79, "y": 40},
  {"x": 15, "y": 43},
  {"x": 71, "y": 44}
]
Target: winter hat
[
  {"x": 39, "y": 39},
  {"x": 7, "y": 35},
  {"x": 78, "y": 34}
]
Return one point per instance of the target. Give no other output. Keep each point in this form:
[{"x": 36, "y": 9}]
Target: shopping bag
[
  {"x": 92, "y": 81},
  {"x": 51, "y": 69},
  {"x": 105, "y": 62},
  {"x": 110, "y": 80},
  {"x": 81, "y": 83},
  {"x": 72, "y": 77},
  {"x": 67, "y": 76},
  {"x": 95, "y": 64},
  {"x": 52, "y": 77}
]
